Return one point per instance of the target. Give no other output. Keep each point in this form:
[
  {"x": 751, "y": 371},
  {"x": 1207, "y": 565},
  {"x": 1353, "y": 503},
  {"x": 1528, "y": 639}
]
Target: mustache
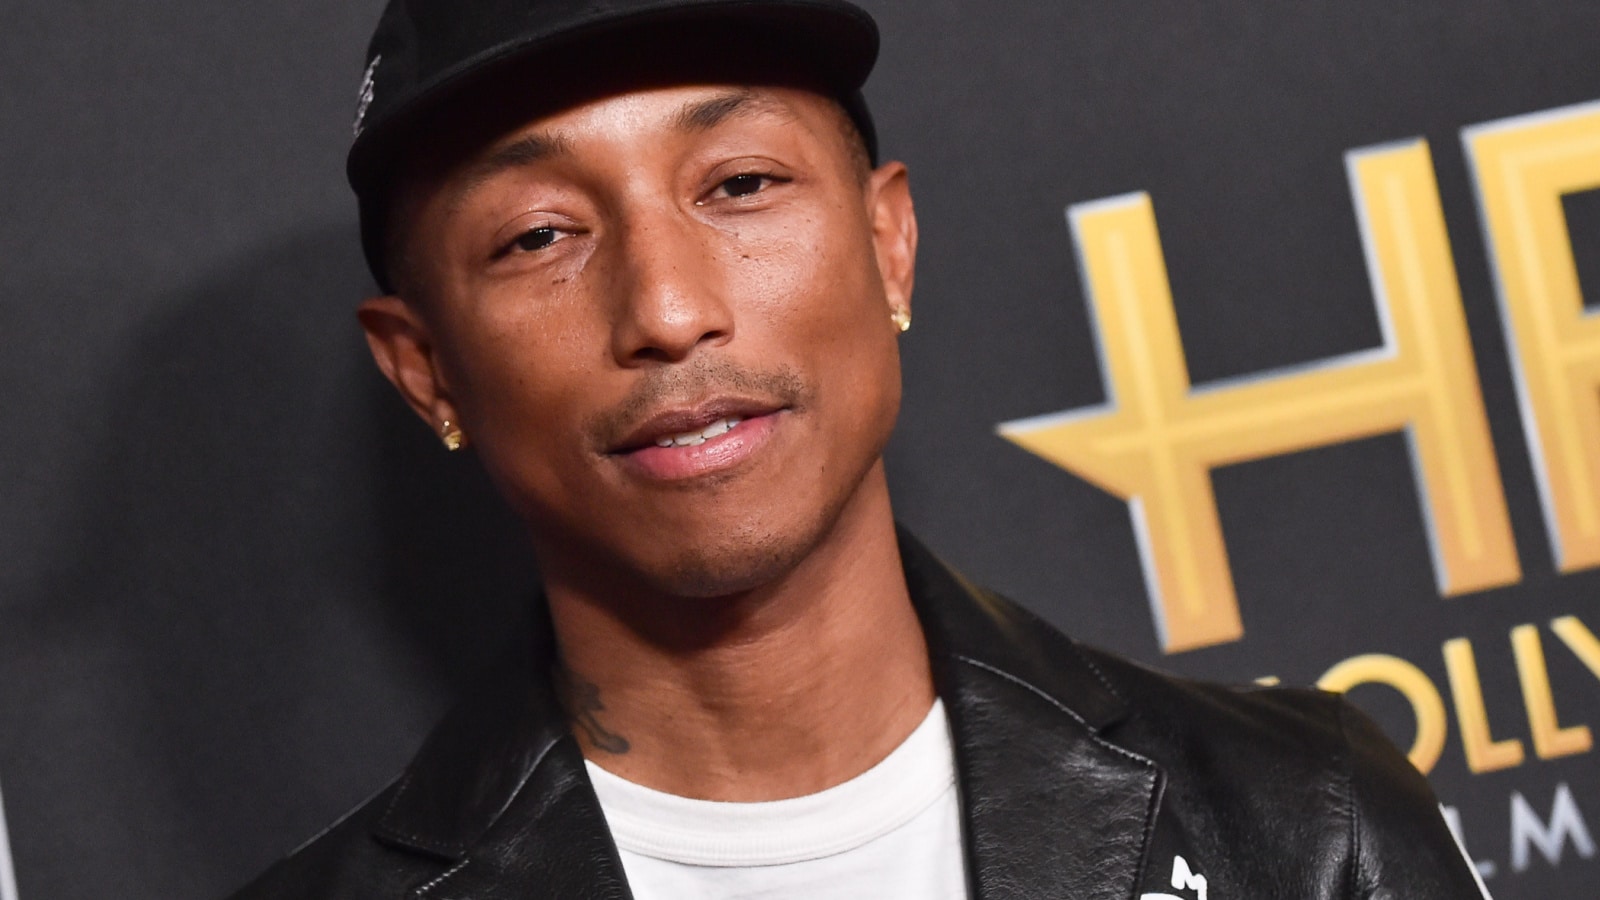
[{"x": 692, "y": 383}]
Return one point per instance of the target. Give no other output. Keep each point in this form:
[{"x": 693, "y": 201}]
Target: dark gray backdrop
[{"x": 238, "y": 583}]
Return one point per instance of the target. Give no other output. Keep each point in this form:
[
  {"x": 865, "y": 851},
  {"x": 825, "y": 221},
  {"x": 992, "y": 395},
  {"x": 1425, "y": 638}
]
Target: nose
[{"x": 670, "y": 290}]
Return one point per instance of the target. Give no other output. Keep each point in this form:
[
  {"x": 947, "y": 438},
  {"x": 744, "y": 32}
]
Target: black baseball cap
[{"x": 426, "y": 55}]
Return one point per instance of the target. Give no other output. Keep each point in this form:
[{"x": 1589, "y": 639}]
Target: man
[{"x": 639, "y": 256}]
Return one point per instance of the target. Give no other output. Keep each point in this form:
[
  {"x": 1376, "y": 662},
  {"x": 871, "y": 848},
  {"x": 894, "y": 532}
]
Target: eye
[
  {"x": 744, "y": 185},
  {"x": 533, "y": 240},
  {"x": 536, "y": 239}
]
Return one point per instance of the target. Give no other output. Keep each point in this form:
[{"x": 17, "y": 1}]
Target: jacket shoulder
[
  {"x": 1304, "y": 767},
  {"x": 1282, "y": 742},
  {"x": 1279, "y": 720}
]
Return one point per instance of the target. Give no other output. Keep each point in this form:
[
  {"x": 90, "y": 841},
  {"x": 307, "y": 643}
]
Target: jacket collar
[{"x": 1049, "y": 806}]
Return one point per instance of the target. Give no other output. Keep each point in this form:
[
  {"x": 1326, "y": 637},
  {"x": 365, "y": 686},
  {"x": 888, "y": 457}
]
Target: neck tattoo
[{"x": 580, "y": 698}]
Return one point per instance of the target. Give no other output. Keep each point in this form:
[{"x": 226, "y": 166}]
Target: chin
[{"x": 732, "y": 562}]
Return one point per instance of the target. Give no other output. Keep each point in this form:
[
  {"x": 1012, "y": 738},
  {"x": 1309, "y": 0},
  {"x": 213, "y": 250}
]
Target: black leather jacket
[{"x": 1081, "y": 775}]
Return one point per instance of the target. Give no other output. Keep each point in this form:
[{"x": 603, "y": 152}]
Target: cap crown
[{"x": 423, "y": 48}]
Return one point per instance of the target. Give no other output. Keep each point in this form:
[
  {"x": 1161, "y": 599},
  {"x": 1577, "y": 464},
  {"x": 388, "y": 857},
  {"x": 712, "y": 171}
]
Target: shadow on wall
[{"x": 274, "y": 581}]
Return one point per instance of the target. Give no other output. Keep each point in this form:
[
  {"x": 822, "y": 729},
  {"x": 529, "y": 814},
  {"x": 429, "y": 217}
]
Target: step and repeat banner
[{"x": 1257, "y": 342}]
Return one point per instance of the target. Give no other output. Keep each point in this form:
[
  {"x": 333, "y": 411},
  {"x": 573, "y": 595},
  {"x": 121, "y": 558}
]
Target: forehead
[
  {"x": 652, "y": 116},
  {"x": 486, "y": 137}
]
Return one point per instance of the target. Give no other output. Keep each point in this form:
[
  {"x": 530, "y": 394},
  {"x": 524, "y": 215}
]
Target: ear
[
  {"x": 402, "y": 346},
  {"x": 894, "y": 231}
]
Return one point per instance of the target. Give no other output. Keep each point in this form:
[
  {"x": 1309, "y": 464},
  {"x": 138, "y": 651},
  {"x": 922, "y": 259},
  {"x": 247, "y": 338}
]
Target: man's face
[{"x": 663, "y": 319}]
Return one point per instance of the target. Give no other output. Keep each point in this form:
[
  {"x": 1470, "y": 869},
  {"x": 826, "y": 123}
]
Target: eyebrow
[
  {"x": 704, "y": 115},
  {"x": 524, "y": 151}
]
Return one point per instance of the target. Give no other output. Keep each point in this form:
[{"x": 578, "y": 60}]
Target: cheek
[
  {"x": 519, "y": 405},
  {"x": 814, "y": 274},
  {"x": 515, "y": 369},
  {"x": 813, "y": 296}
]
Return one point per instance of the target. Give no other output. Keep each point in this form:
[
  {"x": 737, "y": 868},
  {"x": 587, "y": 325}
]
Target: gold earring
[
  {"x": 452, "y": 436},
  {"x": 901, "y": 319}
]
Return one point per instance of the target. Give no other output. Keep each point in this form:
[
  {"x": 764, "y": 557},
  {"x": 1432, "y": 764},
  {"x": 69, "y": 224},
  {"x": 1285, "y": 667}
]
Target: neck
[{"x": 796, "y": 686}]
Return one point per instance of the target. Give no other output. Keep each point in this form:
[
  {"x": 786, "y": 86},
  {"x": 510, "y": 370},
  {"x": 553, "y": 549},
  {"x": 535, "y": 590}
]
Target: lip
[
  {"x": 679, "y": 421},
  {"x": 641, "y": 456}
]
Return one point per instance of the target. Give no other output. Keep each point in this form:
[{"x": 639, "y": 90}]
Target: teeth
[{"x": 696, "y": 438}]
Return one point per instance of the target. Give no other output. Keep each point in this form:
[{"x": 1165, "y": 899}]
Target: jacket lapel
[
  {"x": 551, "y": 842},
  {"x": 1050, "y": 807},
  {"x": 499, "y": 794}
]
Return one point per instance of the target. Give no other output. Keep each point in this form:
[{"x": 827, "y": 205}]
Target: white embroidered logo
[
  {"x": 1183, "y": 879},
  {"x": 364, "y": 99}
]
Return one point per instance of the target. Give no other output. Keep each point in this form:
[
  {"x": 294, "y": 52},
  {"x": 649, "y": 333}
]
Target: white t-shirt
[{"x": 893, "y": 831}]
